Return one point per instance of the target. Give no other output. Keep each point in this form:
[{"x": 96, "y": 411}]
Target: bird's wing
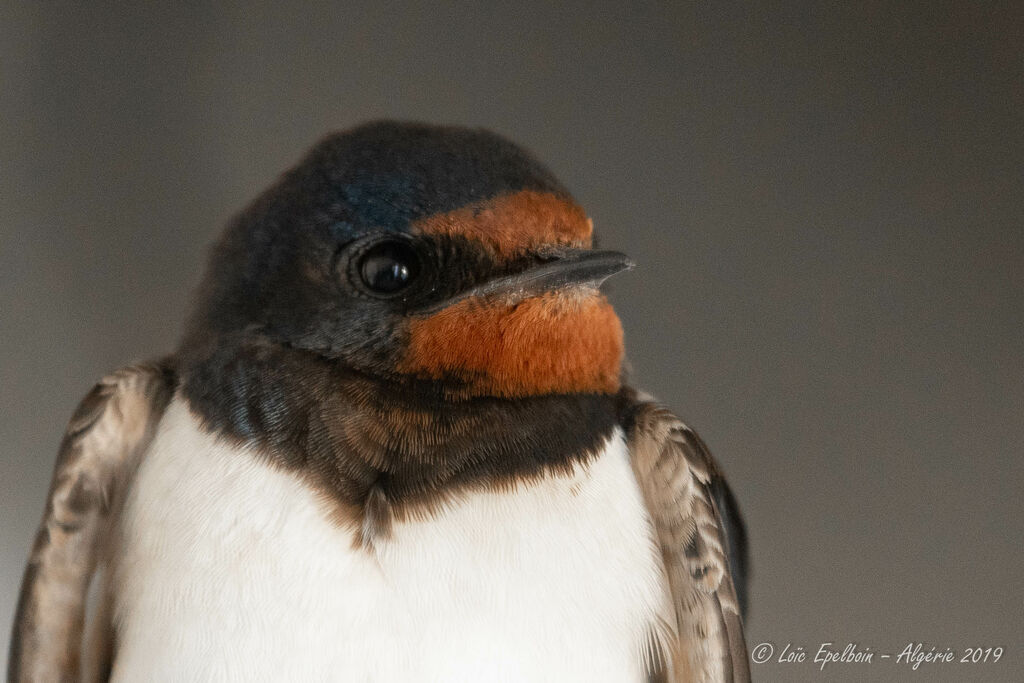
[
  {"x": 109, "y": 430},
  {"x": 685, "y": 495}
]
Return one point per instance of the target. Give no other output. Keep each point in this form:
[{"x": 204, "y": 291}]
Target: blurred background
[{"x": 826, "y": 205}]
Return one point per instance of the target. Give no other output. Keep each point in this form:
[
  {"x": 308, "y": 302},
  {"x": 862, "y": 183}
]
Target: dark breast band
[{"x": 380, "y": 451}]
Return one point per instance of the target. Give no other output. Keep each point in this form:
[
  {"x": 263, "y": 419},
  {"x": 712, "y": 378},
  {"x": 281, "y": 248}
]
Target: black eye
[{"x": 388, "y": 267}]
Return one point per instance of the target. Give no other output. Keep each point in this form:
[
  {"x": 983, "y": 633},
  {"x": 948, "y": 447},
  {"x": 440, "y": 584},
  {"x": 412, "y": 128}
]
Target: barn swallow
[{"x": 394, "y": 444}]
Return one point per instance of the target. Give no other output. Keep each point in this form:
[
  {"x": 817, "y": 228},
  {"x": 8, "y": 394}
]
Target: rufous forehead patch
[
  {"x": 558, "y": 343},
  {"x": 514, "y": 223}
]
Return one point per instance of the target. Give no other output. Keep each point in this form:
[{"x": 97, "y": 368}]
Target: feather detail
[
  {"x": 104, "y": 439},
  {"x": 675, "y": 472}
]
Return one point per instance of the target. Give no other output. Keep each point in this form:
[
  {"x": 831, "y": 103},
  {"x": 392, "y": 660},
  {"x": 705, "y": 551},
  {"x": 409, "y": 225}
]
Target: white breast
[{"x": 230, "y": 570}]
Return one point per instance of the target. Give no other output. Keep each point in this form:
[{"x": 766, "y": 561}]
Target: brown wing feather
[
  {"x": 109, "y": 430},
  {"x": 675, "y": 472}
]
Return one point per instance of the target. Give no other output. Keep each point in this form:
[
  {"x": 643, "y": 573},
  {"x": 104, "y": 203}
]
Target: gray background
[{"x": 825, "y": 203}]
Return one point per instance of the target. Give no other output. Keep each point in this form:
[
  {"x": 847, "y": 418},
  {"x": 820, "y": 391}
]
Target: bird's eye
[{"x": 388, "y": 267}]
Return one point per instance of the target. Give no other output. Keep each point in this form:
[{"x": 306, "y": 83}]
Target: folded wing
[
  {"x": 107, "y": 434},
  {"x": 684, "y": 491}
]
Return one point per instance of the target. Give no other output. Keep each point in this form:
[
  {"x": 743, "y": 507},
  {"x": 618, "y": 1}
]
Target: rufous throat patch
[{"x": 561, "y": 342}]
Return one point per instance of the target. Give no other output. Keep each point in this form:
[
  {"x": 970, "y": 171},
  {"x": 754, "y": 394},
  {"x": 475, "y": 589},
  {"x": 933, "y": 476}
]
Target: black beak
[{"x": 566, "y": 268}]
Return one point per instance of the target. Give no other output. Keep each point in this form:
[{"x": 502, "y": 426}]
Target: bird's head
[{"x": 421, "y": 253}]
